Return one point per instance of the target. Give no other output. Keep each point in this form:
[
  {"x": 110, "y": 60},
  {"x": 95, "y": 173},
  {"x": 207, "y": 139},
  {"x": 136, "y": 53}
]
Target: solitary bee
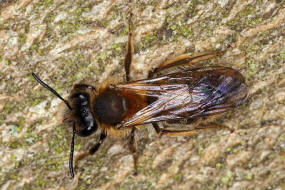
[{"x": 172, "y": 92}]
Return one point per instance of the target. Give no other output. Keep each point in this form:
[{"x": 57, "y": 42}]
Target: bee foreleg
[
  {"x": 133, "y": 149},
  {"x": 93, "y": 149}
]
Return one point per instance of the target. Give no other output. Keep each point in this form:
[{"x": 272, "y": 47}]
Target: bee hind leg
[
  {"x": 190, "y": 132},
  {"x": 156, "y": 128},
  {"x": 184, "y": 60},
  {"x": 215, "y": 126},
  {"x": 133, "y": 149},
  {"x": 174, "y": 133}
]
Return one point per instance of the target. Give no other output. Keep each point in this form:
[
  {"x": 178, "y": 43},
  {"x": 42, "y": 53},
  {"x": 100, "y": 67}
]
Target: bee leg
[
  {"x": 156, "y": 128},
  {"x": 93, "y": 149},
  {"x": 185, "y": 60},
  {"x": 191, "y": 132},
  {"x": 211, "y": 126},
  {"x": 181, "y": 133},
  {"x": 130, "y": 51},
  {"x": 133, "y": 149}
]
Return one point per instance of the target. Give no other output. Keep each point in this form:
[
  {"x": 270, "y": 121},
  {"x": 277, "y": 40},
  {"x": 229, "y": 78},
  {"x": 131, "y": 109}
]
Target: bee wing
[{"x": 188, "y": 94}]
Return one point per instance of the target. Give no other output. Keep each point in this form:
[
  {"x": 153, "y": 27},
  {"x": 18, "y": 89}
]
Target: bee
[{"x": 173, "y": 91}]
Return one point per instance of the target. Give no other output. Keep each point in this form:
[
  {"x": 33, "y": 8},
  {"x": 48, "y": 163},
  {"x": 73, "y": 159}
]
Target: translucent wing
[{"x": 187, "y": 94}]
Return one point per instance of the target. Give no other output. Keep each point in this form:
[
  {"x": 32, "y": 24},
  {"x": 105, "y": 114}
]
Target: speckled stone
[{"x": 65, "y": 42}]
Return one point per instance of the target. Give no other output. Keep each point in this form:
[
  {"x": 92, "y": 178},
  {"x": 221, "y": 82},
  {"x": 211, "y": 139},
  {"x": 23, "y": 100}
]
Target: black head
[{"x": 86, "y": 124}]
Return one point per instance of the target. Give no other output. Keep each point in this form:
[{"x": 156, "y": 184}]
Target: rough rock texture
[{"x": 65, "y": 42}]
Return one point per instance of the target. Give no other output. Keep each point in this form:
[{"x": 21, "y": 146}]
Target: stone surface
[{"x": 65, "y": 42}]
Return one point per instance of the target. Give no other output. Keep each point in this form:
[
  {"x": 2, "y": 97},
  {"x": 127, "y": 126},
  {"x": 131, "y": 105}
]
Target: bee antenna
[
  {"x": 50, "y": 89},
  {"x": 71, "y": 153}
]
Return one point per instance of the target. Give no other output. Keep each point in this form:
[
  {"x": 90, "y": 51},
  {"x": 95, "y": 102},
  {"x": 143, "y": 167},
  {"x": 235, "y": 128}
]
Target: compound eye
[
  {"x": 87, "y": 128},
  {"x": 87, "y": 123}
]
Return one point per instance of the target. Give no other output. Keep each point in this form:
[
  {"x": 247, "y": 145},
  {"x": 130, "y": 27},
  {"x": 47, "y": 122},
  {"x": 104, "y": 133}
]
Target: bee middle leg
[
  {"x": 93, "y": 149},
  {"x": 133, "y": 149}
]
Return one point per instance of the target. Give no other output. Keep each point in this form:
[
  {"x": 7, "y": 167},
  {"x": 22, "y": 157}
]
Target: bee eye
[{"x": 87, "y": 124}]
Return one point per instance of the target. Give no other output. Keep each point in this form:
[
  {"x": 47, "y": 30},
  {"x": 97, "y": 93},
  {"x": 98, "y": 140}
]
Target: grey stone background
[{"x": 65, "y": 42}]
